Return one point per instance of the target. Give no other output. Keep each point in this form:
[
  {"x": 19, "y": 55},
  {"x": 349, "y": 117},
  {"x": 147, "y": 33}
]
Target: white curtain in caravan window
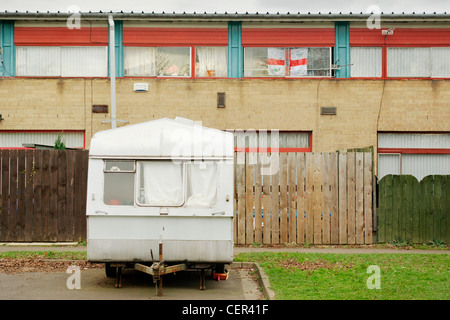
[
  {"x": 202, "y": 184},
  {"x": 140, "y": 61},
  {"x": 163, "y": 183},
  {"x": 211, "y": 62},
  {"x": 38, "y": 61},
  {"x": 84, "y": 61}
]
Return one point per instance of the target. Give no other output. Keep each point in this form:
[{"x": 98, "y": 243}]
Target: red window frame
[
  {"x": 270, "y": 150},
  {"x": 42, "y": 131},
  {"x": 402, "y": 37},
  {"x": 402, "y": 151}
]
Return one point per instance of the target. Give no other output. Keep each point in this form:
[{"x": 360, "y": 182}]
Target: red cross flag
[
  {"x": 276, "y": 61},
  {"x": 299, "y": 62}
]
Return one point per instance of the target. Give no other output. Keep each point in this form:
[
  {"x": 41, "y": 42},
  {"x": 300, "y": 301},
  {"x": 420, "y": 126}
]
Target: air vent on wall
[
  {"x": 220, "y": 99},
  {"x": 328, "y": 111}
]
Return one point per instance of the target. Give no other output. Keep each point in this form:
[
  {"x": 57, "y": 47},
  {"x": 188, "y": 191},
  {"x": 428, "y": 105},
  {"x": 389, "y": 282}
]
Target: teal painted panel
[
  {"x": 342, "y": 49},
  {"x": 120, "y": 51},
  {"x": 235, "y": 50},
  {"x": 8, "y": 58}
]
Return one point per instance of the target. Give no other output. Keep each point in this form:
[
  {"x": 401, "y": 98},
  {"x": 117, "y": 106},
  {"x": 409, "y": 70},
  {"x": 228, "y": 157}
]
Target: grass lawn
[{"x": 317, "y": 276}]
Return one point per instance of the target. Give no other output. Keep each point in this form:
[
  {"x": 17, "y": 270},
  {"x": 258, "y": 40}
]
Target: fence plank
[
  {"x": 368, "y": 193},
  {"x": 61, "y": 196},
  {"x": 317, "y": 202},
  {"x": 446, "y": 208},
  {"x": 84, "y": 176},
  {"x": 69, "y": 219},
  {"x": 343, "y": 198},
  {"x": 249, "y": 199},
  {"x": 258, "y": 200},
  {"x": 266, "y": 204},
  {"x": 29, "y": 199},
  {"x": 283, "y": 198},
  {"x": 53, "y": 212},
  {"x": 292, "y": 197},
  {"x": 37, "y": 210},
  {"x": 4, "y": 227},
  {"x": 334, "y": 198},
  {"x": 240, "y": 179},
  {"x": 309, "y": 198},
  {"x": 351, "y": 199},
  {"x": 301, "y": 198},
  {"x": 359, "y": 197},
  {"x": 275, "y": 198},
  {"x": 13, "y": 195},
  {"x": 45, "y": 194},
  {"x": 326, "y": 198},
  {"x": 20, "y": 222}
]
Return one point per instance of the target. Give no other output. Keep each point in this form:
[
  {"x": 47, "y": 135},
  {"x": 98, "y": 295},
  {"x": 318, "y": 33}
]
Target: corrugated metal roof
[{"x": 256, "y": 16}]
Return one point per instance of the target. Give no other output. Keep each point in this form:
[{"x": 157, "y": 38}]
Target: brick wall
[{"x": 363, "y": 106}]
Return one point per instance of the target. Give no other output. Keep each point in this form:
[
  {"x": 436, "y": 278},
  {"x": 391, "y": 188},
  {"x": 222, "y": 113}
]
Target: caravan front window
[
  {"x": 160, "y": 183},
  {"x": 119, "y": 182},
  {"x": 201, "y": 184}
]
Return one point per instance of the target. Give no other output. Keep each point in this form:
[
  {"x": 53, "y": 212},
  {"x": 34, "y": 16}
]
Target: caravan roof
[{"x": 164, "y": 138}]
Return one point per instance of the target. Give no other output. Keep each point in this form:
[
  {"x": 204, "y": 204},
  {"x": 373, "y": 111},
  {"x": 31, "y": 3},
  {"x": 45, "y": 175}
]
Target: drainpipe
[{"x": 112, "y": 70}]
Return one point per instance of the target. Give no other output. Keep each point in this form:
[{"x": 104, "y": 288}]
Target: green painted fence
[{"x": 409, "y": 210}]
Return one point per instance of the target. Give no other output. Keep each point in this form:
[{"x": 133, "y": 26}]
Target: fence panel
[
  {"x": 317, "y": 198},
  {"x": 414, "y": 211},
  {"x": 40, "y": 198}
]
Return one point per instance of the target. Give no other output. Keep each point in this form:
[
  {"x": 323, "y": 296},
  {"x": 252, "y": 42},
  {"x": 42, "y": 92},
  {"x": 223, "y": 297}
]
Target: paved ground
[{"x": 241, "y": 283}]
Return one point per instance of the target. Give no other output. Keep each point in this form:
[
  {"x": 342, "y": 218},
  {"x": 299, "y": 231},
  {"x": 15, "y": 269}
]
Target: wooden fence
[
  {"x": 414, "y": 211},
  {"x": 43, "y": 195},
  {"x": 316, "y": 198}
]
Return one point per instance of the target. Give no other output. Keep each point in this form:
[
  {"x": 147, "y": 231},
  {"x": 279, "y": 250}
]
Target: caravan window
[
  {"x": 201, "y": 184},
  {"x": 119, "y": 182},
  {"x": 160, "y": 183}
]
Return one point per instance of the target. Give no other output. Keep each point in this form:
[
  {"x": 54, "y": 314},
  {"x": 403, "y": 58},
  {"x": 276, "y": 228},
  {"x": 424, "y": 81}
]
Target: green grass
[
  {"x": 64, "y": 255},
  {"x": 316, "y": 276}
]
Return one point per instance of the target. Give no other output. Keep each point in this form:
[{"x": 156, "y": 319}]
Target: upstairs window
[
  {"x": 418, "y": 62},
  {"x": 53, "y": 61},
  {"x": 366, "y": 61},
  {"x": 211, "y": 61},
  {"x": 158, "y": 61},
  {"x": 287, "y": 62}
]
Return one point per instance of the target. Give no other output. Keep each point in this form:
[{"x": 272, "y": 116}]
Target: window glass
[
  {"x": 62, "y": 61},
  {"x": 201, "y": 184},
  {"x": 160, "y": 183},
  {"x": 38, "y": 61},
  {"x": 408, "y": 62},
  {"x": 287, "y": 62},
  {"x": 119, "y": 183},
  {"x": 440, "y": 62},
  {"x": 158, "y": 61},
  {"x": 140, "y": 61},
  {"x": 270, "y": 139},
  {"x": 173, "y": 61},
  {"x": 211, "y": 61},
  {"x": 366, "y": 61}
]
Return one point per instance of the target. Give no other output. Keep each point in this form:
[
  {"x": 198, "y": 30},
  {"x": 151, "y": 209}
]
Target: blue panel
[
  {"x": 235, "y": 50},
  {"x": 119, "y": 54},
  {"x": 342, "y": 49},
  {"x": 8, "y": 58}
]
